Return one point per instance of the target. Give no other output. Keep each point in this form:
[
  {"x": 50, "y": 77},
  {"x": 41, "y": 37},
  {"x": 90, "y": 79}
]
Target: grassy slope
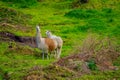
[{"x": 51, "y": 16}]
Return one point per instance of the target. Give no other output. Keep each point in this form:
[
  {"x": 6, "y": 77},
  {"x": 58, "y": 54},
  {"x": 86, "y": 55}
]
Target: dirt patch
[
  {"x": 52, "y": 72},
  {"x": 6, "y": 26},
  {"x": 7, "y": 36}
]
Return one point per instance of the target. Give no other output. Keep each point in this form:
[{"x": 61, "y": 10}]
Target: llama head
[
  {"x": 37, "y": 28},
  {"x": 48, "y": 33}
]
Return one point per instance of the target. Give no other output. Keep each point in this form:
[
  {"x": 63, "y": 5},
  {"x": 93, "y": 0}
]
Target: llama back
[
  {"x": 57, "y": 39},
  {"x": 52, "y": 37}
]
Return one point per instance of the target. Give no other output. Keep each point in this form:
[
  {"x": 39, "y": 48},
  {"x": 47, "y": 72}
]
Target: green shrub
[
  {"x": 97, "y": 25},
  {"x": 92, "y": 64},
  {"x": 81, "y": 14},
  {"x": 91, "y": 13},
  {"x": 93, "y": 25}
]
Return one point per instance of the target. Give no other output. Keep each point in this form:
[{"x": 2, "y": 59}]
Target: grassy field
[{"x": 66, "y": 18}]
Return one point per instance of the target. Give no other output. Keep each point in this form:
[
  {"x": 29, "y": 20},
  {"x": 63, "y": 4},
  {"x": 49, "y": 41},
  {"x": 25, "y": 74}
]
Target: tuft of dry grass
[
  {"x": 103, "y": 51},
  {"x": 96, "y": 53}
]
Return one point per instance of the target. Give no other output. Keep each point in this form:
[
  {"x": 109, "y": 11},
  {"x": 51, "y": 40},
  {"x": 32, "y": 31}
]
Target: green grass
[
  {"x": 97, "y": 75},
  {"x": 16, "y": 62},
  {"x": 20, "y": 3},
  {"x": 99, "y": 17}
]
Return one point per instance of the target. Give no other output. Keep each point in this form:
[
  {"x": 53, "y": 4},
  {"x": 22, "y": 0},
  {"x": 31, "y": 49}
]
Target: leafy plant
[
  {"x": 82, "y": 14},
  {"x": 91, "y": 64}
]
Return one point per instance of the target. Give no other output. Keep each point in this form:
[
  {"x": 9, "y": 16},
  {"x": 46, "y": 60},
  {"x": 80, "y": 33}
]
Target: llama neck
[
  {"x": 38, "y": 38},
  {"x": 50, "y": 35}
]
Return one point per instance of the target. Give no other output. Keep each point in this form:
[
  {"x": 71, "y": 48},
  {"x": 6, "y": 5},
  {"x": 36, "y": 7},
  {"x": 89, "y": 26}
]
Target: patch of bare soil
[
  {"x": 52, "y": 72},
  {"x": 7, "y": 36},
  {"x": 5, "y": 26}
]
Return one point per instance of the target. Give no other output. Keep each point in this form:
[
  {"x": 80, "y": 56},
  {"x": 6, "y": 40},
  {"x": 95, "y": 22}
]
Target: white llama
[
  {"x": 59, "y": 42},
  {"x": 45, "y": 44}
]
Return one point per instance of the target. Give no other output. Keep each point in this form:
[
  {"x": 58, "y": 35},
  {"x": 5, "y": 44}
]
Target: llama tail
[{"x": 59, "y": 40}]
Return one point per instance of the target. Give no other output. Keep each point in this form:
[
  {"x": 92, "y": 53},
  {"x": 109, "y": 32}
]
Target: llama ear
[{"x": 47, "y": 31}]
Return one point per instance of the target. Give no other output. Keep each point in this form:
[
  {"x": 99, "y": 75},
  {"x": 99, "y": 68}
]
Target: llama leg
[
  {"x": 55, "y": 53},
  {"x": 47, "y": 54},
  {"x": 50, "y": 55},
  {"x": 43, "y": 55},
  {"x": 58, "y": 53}
]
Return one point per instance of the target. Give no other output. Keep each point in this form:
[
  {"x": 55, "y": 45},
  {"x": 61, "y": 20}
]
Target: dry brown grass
[{"x": 102, "y": 51}]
